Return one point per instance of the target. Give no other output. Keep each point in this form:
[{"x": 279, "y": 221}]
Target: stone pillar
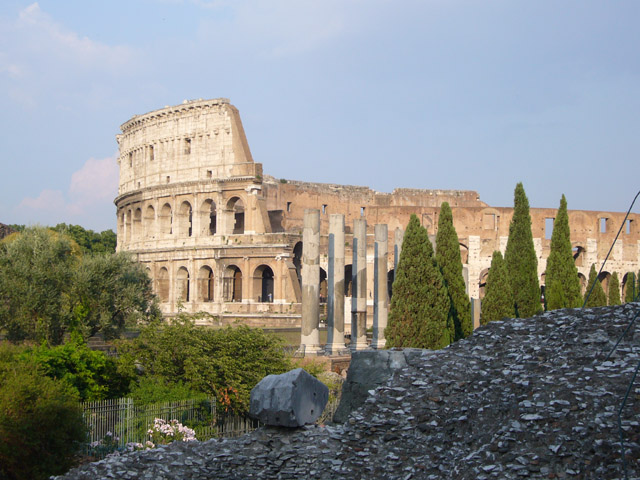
[
  {"x": 335, "y": 279},
  {"x": 380, "y": 291},
  {"x": 310, "y": 337},
  {"x": 398, "y": 237},
  {"x": 359, "y": 289}
]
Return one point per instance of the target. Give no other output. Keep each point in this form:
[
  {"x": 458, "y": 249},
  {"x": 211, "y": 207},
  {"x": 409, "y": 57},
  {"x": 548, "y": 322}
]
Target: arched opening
[
  {"x": 232, "y": 284},
  {"x": 182, "y": 285},
  {"x": 208, "y": 217},
  {"x": 324, "y": 290},
  {"x": 166, "y": 220},
  {"x": 185, "y": 220},
  {"x": 604, "y": 278},
  {"x": 578, "y": 255},
  {"x": 236, "y": 207},
  {"x": 390, "y": 278},
  {"x": 348, "y": 280},
  {"x": 464, "y": 254},
  {"x": 263, "y": 283},
  {"x": 297, "y": 261},
  {"x": 205, "y": 284},
  {"x": 129, "y": 225},
  {"x": 482, "y": 282},
  {"x": 583, "y": 283},
  {"x": 137, "y": 222},
  {"x": 149, "y": 221},
  {"x": 162, "y": 285}
]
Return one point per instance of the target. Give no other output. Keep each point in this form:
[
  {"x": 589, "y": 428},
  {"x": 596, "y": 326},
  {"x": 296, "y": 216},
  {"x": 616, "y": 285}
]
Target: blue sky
[{"x": 441, "y": 94}]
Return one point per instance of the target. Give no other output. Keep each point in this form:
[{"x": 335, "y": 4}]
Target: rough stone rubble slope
[{"x": 524, "y": 398}]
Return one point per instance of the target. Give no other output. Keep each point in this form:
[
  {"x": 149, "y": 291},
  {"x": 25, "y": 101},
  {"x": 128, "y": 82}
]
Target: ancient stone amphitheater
[{"x": 218, "y": 235}]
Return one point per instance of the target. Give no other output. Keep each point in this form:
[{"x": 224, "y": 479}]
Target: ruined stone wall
[{"x": 219, "y": 236}]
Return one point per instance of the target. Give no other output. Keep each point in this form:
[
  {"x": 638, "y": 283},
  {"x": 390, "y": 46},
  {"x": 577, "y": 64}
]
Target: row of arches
[
  {"x": 604, "y": 278},
  {"x": 203, "y": 290},
  {"x": 166, "y": 220}
]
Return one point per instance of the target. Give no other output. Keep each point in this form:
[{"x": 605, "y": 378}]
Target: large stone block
[{"x": 291, "y": 399}]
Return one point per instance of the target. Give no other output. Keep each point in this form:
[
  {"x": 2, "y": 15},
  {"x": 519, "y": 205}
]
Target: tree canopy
[
  {"x": 562, "y": 282},
  {"x": 521, "y": 260},
  {"x": 49, "y": 288},
  {"x": 420, "y": 304},
  {"x": 597, "y": 298},
  {"x": 498, "y": 300},
  {"x": 450, "y": 263}
]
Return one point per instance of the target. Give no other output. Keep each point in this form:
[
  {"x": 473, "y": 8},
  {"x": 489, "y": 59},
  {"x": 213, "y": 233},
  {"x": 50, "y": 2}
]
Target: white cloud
[
  {"x": 282, "y": 28},
  {"x": 97, "y": 180},
  {"x": 48, "y": 201},
  {"x": 49, "y": 36},
  {"x": 92, "y": 187},
  {"x": 39, "y": 56}
]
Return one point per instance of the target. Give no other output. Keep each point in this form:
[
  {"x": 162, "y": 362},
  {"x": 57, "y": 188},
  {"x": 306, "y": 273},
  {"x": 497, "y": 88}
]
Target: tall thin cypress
[
  {"x": 562, "y": 282},
  {"x": 520, "y": 256},
  {"x": 597, "y": 298},
  {"x": 498, "y": 300},
  {"x": 614, "y": 290},
  {"x": 630, "y": 287},
  {"x": 420, "y": 305},
  {"x": 450, "y": 263}
]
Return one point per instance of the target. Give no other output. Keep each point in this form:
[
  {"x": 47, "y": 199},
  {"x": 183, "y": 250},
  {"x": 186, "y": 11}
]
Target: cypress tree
[
  {"x": 597, "y": 297},
  {"x": 614, "y": 290},
  {"x": 420, "y": 305},
  {"x": 450, "y": 263},
  {"x": 498, "y": 300},
  {"x": 520, "y": 256},
  {"x": 630, "y": 287},
  {"x": 563, "y": 284}
]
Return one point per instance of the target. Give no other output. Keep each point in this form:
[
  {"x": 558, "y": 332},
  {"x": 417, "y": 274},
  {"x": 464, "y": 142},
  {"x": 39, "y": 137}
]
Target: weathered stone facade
[{"x": 217, "y": 235}]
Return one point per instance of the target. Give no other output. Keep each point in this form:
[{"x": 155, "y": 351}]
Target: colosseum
[{"x": 217, "y": 235}]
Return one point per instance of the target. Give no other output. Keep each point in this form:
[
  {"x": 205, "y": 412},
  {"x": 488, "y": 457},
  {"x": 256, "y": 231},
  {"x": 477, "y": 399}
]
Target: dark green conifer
[
  {"x": 614, "y": 290},
  {"x": 520, "y": 256},
  {"x": 450, "y": 263},
  {"x": 498, "y": 300},
  {"x": 597, "y": 297},
  {"x": 562, "y": 282},
  {"x": 420, "y": 305},
  {"x": 630, "y": 287}
]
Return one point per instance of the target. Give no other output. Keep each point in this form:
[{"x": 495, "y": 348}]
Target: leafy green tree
[
  {"x": 91, "y": 375},
  {"x": 498, "y": 300},
  {"x": 88, "y": 240},
  {"x": 450, "y": 263},
  {"x": 226, "y": 363},
  {"x": 597, "y": 298},
  {"x": 109, "y": 293},
  {"x": 48, "y": 288},
  {"x": 630, "y": 289},
  {"x": 37, "y": 268},
  {"x": 614, "y": 290},
  {"x": 41, "y": 424},
  {"x": 420, "y": 304},
  {"x": 521, "y": 260},
  {"x": 563, "y": 284}
]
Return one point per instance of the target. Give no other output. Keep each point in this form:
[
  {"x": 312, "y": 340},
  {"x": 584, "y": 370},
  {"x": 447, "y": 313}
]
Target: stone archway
[
  {"x": 205, "y": 284},
  {"x": 263, "y": 282}
]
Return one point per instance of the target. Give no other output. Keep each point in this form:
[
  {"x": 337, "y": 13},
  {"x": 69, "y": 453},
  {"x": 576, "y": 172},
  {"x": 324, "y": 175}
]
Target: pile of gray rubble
[{"x": 524, "y": 398}]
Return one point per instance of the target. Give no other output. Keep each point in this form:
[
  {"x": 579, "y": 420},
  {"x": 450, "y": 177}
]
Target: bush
[
  {"x": 225, "y": 363},
  {"x": 91, "y": 374},
  {"x": 41, "y": 424}
]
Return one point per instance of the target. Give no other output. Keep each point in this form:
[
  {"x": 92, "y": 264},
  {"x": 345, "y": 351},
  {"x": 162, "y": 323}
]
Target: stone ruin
[
  {"x": 520, "y": 398},
  {"x": 216, "y": 234}
]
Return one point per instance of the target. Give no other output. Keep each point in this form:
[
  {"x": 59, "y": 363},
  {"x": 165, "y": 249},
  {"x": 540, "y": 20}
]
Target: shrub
[
  {"x": 91, "y": 374},
  {"x": 41, "y": 424}
]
